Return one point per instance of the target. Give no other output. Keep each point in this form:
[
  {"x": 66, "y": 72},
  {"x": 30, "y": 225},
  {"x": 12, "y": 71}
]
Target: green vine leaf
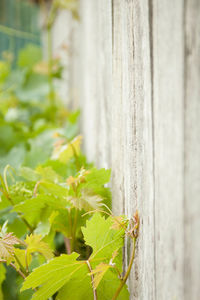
[
  {"x": 64, "y": 152},
  {"x": 2, "y": 278},
  {"x": 35, "y": 244},
  {"x": 40, "y": 173},
  {"x": 97, "y": 177},
  {"x": 87, "y": 201},
  {"x": 103, "y": 238},
  {"x": 53, "y": 275},
  {"x": 23, "y": 259},
  {"x": 33, "y": 209},
  {"x": 70, "y": 272}
]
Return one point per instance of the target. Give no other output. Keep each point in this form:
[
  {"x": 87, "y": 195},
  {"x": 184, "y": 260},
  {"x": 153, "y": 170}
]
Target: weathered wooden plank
[
  {"x": 95, "y": 83},
  {"x": 120, "y": 124},
  {"x": 132, "y": 149},
  {"x": 192, "y": 150},
  {"x": 88, "y": 68},
  {"x": 168, "y": 67},
  {"x": 104, "y": 77},
  {"x": 133, "y": 121}
]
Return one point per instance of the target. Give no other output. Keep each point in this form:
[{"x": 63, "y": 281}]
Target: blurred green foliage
[{"x": 27, "y": 118}]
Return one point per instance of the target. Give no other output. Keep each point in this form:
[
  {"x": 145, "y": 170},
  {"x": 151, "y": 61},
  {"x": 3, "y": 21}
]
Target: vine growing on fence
[{"x": 58, "y": 236}]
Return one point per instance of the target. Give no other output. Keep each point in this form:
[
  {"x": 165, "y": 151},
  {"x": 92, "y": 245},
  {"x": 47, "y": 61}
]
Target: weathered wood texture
[
  {"x": 95, "y": 44},
  {"x": 168, "y": 102},
  {"x": 137, "y": 73},
  {"x": 192, "y": 150},
  {"x": 132, "y": 149}
]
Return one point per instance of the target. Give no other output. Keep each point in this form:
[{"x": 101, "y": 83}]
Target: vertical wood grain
[
  {"x": 96, "y": 81},
  {"x": 88, "y": 68},
  {"x": 132, "y": 149},
  {"x": 192, "y": 150},
  {"x": 168, "y": 65}
]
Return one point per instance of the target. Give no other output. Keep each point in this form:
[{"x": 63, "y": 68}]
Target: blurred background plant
[
  {"x": 34, "y": 123},
  {"x": 30, "y": 108}
]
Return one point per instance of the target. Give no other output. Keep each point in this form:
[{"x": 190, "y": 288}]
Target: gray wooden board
[
  {"x": 132, "y": 151},
  {"x": 137, "y": 62},
  {"x": 168, "y": 70},
  {"x": 95, "y": 84},
  {"x": 192, "y": 150}
]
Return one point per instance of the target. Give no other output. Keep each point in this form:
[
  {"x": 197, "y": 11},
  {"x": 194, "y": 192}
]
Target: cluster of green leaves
[
  {"x": 45, "y": 210},
  {"x": 61, "y": 235}
]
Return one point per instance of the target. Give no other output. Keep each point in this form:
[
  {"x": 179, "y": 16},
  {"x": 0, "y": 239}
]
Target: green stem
[
  {"x": 118, "y": 272},
  {"x": 17, "y": 33},
  {"x": 74, "y": 230},
  {"x": 20, "y": 216},
  {"x": 71, "y": 231},
  {"x": 5, "y": 178},
  {"x": 26, "y": 261},
  {"x": 124, "y": 279},
  {"x": 19, "y": 263},
  {"x": 14, "y": 267},
  {"x": 17, "y": 270},
  {"x": 26, "y": 223},
  {"x": 92, "y": 279},
  {"x": 78, "y": 166},
  {"x": 4, "y": 189}
]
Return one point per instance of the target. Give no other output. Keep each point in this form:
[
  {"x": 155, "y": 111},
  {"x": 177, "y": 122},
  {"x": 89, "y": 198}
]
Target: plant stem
[
  {"x": 5, "y": 178},
  {"x": 74, "y": 229},
  {"x": 26, "y": 261},
  {"x": 76, "y": 156},
  {"x": 124, "y": 279},
  {"x": 67, "y": 245},
  {"x": 18, "y": 33},
  {"x": 13, "y": 266},
  {"x": 92, "y": 279},
  {"x": 18, "y": 271},
  {"x": 19, "y": 263},
  {"x": 118, "y": 272},
  {"x": 26, "y": 223},
  {"x": 22, "y": 218},
  {"x": 36, "y": 188},
  {"x": 4, "y": 189}
]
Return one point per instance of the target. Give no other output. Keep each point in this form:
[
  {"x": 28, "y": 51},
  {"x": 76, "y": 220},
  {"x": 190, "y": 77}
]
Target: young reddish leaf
[{"x": 7, "y": 243}]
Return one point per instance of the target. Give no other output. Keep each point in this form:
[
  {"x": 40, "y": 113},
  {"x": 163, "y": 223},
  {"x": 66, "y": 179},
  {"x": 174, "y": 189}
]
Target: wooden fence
[{"x": 136, "y": 70}]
